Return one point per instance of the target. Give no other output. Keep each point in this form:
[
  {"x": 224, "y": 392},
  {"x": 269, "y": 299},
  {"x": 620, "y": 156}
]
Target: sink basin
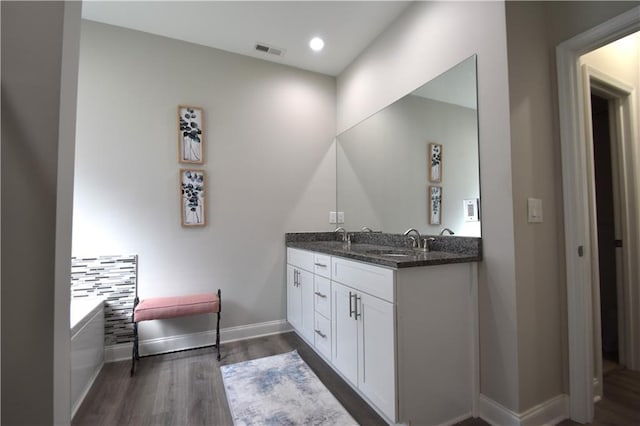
[{"x": 391, "y": 252}]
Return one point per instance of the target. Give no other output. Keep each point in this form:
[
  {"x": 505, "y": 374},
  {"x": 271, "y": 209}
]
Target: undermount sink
[{"x": 391, "y": 252}]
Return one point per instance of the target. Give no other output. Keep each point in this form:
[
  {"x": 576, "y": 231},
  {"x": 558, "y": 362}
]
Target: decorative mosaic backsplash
[{"x": 114, "y": 278}]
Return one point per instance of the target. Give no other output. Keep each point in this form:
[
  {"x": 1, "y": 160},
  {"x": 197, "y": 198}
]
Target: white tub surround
[{"x": 87, "y": 346}]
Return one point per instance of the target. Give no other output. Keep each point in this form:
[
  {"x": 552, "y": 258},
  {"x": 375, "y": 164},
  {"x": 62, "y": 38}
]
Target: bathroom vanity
[{"x": 398, "y": 324}]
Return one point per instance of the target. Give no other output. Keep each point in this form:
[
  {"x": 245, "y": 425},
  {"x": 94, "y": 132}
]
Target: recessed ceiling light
[{"x": 316, "y": 44}]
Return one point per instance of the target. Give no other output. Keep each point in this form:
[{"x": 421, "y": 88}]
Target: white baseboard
[
  {"x": 550, "y": 412},
  {"x": 76, "y": 404},
  {"x": 195, "y": 340}
]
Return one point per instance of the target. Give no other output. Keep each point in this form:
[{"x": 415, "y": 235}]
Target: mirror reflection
[{"x": 415, "y": 163}]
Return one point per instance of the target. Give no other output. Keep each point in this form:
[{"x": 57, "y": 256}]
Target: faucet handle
[
  {"x": 427, "y": 243},
  {"x": 414, "y": 243}
]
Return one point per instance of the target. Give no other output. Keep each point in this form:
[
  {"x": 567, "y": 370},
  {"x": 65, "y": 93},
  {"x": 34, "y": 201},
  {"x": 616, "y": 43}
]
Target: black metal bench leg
[
  {"x": 218, "y": 324},
  {"x": 134, "y": 351}
]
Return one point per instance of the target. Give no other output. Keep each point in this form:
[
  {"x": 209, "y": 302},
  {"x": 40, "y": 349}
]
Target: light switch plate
[
  {"x": 470, "y": 209},
  {"x": 332, "y": 217},
  {"x": 534, "y": 210},
  {"x": 340, "y": 217}
]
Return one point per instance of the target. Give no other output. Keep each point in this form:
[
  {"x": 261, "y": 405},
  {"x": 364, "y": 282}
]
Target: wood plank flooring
[
  {"x": 185, "y": 388},
  {"x": 620, "y": 404}
]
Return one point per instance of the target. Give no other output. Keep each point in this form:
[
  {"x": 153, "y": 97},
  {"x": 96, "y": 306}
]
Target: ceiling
[{"x": 347, "y": 27}]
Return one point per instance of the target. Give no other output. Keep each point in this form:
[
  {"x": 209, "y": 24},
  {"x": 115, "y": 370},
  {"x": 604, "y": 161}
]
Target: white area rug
[{"x": 280, "y": 390}]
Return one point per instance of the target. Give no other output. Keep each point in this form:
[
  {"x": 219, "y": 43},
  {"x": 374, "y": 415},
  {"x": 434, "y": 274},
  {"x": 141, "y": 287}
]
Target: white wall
[
  {"x": 35, "y": 118},
  {"x": 426, "y": 40},
  {"x": 383, "y": 167},
  {"x": 534, "y": 29},
  {"x": 270, "y": 168}
]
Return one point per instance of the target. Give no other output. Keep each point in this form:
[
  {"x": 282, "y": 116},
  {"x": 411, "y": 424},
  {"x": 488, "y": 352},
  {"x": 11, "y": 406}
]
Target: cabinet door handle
[
  {"x": 296, "y": 278},
  {"x": 357, "y": 314},
  {"x": 317, "y": 293},
  {"x": 350, "y": 305},
  {"x": 322, "y": 265},
  {"x": 321, "y": 334}
]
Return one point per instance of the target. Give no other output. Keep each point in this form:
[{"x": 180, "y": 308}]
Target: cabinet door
[
  {"x": 305, "y": 280},
  {"x": 344, "y": 332},
  {"x": 294, "y": 299},
  {"x": 376, "y": 361}
]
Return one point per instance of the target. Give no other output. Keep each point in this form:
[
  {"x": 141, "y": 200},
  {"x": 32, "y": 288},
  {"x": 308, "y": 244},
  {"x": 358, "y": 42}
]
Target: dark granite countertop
[{"x": 390, "y": 250}]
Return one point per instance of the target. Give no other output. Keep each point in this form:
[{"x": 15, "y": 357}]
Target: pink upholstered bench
[{"x": 156, "y": 308}]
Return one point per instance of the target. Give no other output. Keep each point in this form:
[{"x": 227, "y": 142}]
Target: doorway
[
  {"x": 580, "y": 211},
  {"x": 605, "y": 167},
  {"x": 608, "y": 219}
]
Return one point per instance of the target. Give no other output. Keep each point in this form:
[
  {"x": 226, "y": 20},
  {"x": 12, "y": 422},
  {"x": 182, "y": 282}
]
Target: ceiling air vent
[{"x": 271, "y": 50}]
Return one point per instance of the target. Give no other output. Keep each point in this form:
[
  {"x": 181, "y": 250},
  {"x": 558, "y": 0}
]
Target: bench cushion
[{"x": 177, "y": 306}]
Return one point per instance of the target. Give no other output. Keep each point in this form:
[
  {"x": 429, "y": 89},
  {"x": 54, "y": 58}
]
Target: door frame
[
  {"x": 577, "y": 230},
  {"x": 620, "y": 97}
]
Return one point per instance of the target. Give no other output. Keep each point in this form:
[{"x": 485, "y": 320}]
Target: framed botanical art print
[
  {"x": 190, "y": 135},
  {"x": 192, "y": 197},
  {"x": 435, "y": 205},
  {"x": 435, "y": 162}
]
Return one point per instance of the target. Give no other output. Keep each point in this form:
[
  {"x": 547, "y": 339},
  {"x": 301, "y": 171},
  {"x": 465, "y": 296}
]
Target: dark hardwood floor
[
  {"x": 620, "y": 404},
  {"x": 185, "y": 388}
]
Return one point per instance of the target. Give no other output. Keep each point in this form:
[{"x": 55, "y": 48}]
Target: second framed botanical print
[
  {"x": 435, "y": 205},
  {"x": 192, "y": 207},
  {"x": 191, "y": 135}
]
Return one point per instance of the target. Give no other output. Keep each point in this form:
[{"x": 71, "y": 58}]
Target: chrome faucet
[
  {"x": 446, "y": 230},
  {"x": 416, "y": 242},
  {"x": 366, "y": 229},
  {"x": 344, "y": 233}
]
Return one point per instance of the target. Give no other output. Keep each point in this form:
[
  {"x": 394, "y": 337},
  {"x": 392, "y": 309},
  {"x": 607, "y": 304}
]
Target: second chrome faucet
[{"x": 417, "y": 241}]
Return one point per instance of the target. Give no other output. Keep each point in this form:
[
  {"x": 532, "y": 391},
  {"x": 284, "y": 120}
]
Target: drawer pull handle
[
  {"x": 322, "y": 265},
  {"x": 317, "y": 293},
  {"x": 321, "y": 334},
  {"x": 350, "y": 306},
  {"x": 351, "y": 310}
]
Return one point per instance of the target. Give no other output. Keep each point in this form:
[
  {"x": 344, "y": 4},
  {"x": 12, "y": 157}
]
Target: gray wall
[
  {"x": 533, "y": 31},
  {"x": 270, "y": 168},
  {"x": 424, "y": 42},
  {"x": 35, "y": 118}
]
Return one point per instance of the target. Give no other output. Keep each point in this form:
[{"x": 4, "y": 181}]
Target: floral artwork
[
  {"x": 435, "y": 162},
  {"x": 193, "y": 197},
  {"x": 435, "y": 204},
  {"x": 191, "y": 136}
]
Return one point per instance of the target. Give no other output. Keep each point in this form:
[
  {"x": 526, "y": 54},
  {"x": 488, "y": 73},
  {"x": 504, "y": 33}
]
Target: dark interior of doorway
[{"x": 606, "y": 227}]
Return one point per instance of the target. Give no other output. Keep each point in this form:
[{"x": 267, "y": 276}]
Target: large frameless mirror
[{"x": 415, "y": 163}]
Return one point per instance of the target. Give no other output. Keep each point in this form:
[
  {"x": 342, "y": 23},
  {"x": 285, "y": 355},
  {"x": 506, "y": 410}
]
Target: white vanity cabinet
[
  {"x": 300, "y": 288},
  {"x": 405, "y": 339},
  {"x": 363, "y": 328}
]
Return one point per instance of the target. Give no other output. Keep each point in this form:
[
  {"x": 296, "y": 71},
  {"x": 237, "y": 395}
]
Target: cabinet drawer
[
  {"x": 322, "y": 296},
  {"x": 322, "y": 265},
  {"x": 370, "y": 279},
  {"x": 322, "y": 339},
  {"x": 301, "y": 258}
]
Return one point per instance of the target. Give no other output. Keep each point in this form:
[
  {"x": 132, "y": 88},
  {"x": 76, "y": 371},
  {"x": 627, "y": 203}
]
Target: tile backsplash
[{"x": 114, "y": 278}]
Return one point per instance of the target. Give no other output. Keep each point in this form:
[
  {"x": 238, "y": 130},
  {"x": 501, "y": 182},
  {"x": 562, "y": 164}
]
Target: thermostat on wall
[{"x": 470, "y": 210}]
